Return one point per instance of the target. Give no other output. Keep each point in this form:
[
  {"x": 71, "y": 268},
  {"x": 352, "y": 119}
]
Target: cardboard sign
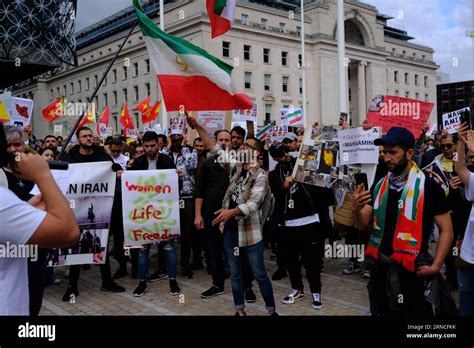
[
  {"x": 212, "y": 121},
  {"x": 291, "y": 117},
  {"x": 357, "y": 145},
  {"x": 21, "y": 111},
  {"x": 452, "y": 120}
]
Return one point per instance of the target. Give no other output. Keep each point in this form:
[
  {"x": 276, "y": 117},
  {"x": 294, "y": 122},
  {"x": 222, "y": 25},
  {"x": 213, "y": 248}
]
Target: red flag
[
  {"x": 54, "y": 110},
  {"x": 89, "y": 117},
  {"x": 104, "y": 117},
  {"x": 125, "y": 119},
  {"x": 144, "y": 105},
  {"x": 152, "y": 113}
]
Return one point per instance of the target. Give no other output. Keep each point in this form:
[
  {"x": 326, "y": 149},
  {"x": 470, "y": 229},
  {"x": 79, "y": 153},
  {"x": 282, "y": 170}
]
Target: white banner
[
  {"x": 90, "y": 192},
  {"x": 451, "y": 120},
  {"x": 247, "y": 115},
  {"x": 20, "y": 111},
  {"x": 357, "y": 145},
  {"x": 58, "y": 130},
  {"x": 212, "y": 121},
  {"x": 150, "y": 200}
]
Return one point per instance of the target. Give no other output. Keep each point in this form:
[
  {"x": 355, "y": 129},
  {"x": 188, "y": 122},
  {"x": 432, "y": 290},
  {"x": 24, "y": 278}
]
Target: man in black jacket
[
  {"x": 302, "y": 211},
  {"x": 86, "y": 152}
]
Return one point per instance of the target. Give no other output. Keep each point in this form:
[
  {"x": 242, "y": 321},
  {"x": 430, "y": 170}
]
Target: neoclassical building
[{"x": 264, "y": 46}]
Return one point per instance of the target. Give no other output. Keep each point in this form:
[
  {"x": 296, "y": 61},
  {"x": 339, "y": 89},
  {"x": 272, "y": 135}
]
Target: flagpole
[
  {"x": 303, "y": 64},
  {"x": 164, "y": 113},
  {"x": 78, "y": 121},
  {"x": 341, "y": 53}
]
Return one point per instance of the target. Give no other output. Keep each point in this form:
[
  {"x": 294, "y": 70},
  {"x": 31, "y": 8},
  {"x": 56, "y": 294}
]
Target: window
[
  {"x": 247, "y": 49},
  {"x": 298, "y": 30},
  {"x": 386, "y": 74},
  {"x": 266, "y": 55},
  {"x": 114, "y": 75},
  {"x": 115, "y": 97},
  {"x": 268, "y": 113},
  {"x": 58, "y": 93},
  {"x": 226, "y": 49},
  {"x": 266, "y": 81},
  {"x": 423, "y": 57},
  {"x": 395, "y": 76},
  {"x": 248, "y": 79},
  {"x": 147, "y": 65},
  {"x": 135, "y": 69},
  {"x": 96, "y": 80},
  {"x": 79, "y": 86},
  {"x": 137, "y": 120},
  {"x": 407, "y": 94},
  {"x": 397, "y": 93},
  {"x": 300, "y": 62},
  {"x": 125, "y": 73},
  {"x": 135, "y": 90},
  {"x": 147, "y": 88},
  {"x": 284, "y": 58},
  {"x": 282, "y": 27},
  {"x": 425, "y": 81},
  {"x": 87, "y": 84},
  {"x": 244, "y": 19},
  {"x": 349, "y": 74},
  {"x": 406, "y": 79},
  {"x": 51, "y": 94},
  {"x": 125, "y": 94},
  {"x": 394, "y": 50},
  {"x": 71, "y": 85},
  {"x": 414, "y": 54},
  {"x": 350, "y": 95},
  {"x": 106, "y": 99},
  {"x": 417, "y": 96},
  {"x": 416, "y": 80},
  {"x": 404, "y": 53},
  {"x": 284, "y": 84},
  {"x": 105, "y": 81},
  {"x": 263, "y": 23},
  {"x": 426, "y": 97},
  {"x": 96, "y": 101},
  {"x": 301, "y": 85}
]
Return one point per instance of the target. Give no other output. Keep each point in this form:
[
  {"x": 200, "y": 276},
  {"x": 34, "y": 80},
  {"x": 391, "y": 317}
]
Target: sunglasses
[{"x": 447, "y": 146}]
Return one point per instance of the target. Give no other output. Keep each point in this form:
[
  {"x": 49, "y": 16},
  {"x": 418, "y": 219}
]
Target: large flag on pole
[
  {"x": 144, "y": 105},
  {"x": 190, "y": 78},
  {"x": 89, "y": 117},
  {"x": 54, "y": 110},
  {"x": 221, "y": 14},
  {"x": 125, "y": 119},
  {"x": 151, "y": 113}
]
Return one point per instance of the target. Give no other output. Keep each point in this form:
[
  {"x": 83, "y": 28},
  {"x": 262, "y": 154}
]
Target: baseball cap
[
  {"x": 397, "y": 136},
  {"x": 291, "y": 136},
  {"x": 278, "y": 150}
]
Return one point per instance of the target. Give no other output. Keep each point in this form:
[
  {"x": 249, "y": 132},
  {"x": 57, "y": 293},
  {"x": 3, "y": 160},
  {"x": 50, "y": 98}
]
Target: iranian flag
[
  {"x": 221, "y": 14},
  {"x": 189, "y": 77}
]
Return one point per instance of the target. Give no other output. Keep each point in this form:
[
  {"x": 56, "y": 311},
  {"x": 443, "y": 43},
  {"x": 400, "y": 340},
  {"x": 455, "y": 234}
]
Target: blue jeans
[
  {"x": 466, "y": 291},
  {"x": 254, "y": 255},
  {"x": 170, "y": 259}
]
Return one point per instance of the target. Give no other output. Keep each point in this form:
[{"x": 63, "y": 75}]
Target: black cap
[
  {"x": 397, "y": 136},
  {"x": 278, "y": 150}
]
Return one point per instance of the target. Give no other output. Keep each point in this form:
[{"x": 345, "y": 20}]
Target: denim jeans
[
  {"x": 254, "y": 255},
  {"x": 170, "y": 257},
  {"x": 466, "y": 291}
]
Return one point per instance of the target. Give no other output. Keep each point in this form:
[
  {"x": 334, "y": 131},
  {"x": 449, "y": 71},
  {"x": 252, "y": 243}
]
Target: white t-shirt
[
  {"x": 122, "y": 160},
  {"x": 151, "y": 164},
  {"x": 467, "y": 248},
  {"x": 19, "y": 221}
]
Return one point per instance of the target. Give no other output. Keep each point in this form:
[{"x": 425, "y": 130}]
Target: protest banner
[
  {"x": 58, "y": 130},
  {"x": 150, "y": 200},
  {"x": 390, "y": 111},
  {"x": 90, "y": 192},
  {"x": 212, "y": 121},
  {"x": 357, "y": 145},
  {"x": 178, "y": 126},
  {"x": 452, "y": 120},
  {"x": 132, "y": 133},
  {"x": 291, "y": 116},
  {"x": 247, "y": 115},
  {"x": 20, "y": 111},
  {"x": 277, "y": 133}
]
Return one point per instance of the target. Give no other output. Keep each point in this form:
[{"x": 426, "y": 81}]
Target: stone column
[{"x": 361, "y": 92}]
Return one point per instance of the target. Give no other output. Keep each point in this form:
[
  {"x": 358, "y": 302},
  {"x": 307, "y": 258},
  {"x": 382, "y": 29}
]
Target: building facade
[
  {"x": 454, "y": 96},
  {"x": 264, "y": 46}
]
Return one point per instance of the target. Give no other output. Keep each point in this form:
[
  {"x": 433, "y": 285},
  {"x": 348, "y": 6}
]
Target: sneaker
[
  {"x": 112, "y": 287},
  {"x": 174, "y": 288},
  {"x": 295, "y": 295},
  {"x": 121, "y": 272},
  {"x": 54, "y": 281},
  {"x": 317, "y": 304},
  {"x": 366, "y": 275},
  {"x": 351, "y": 268},
  {"x": 250, "y": 296},
  {"x": 279, "y": 274},
  {"x": 157, "y": 276},
  {"x": 237, "y": 314},
  {"x": 273, "y": 257},
  {"x": 212, "y": 291},
  {"x": 71, "y": 290},
  {"x": 140, "y": 289}
]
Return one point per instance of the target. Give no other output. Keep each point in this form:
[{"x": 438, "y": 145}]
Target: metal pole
[
  {"x": 91, "y": 98},
  {"x": 341, "y": 59},
  {"x": 303, "y": 64},
  {"x": 164, "y": 113}
]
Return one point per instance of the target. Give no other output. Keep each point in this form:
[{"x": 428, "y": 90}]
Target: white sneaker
[
  {"x": 317, "y": 304},
  {"x": 295, "y": 295}
]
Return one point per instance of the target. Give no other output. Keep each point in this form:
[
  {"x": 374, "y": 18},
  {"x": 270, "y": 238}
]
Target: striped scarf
[{"x": 409, "y": 229}]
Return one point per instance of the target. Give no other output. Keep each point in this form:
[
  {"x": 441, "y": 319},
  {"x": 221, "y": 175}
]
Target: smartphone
[
  {"x": 466, "y": 118},
  {"x": 361, "y": 178},
  {"x": 342, "y": 118}
]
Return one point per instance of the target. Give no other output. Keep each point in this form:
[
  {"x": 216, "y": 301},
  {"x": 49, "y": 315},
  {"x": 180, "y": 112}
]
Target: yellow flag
[{"x": 4, "y": 116}]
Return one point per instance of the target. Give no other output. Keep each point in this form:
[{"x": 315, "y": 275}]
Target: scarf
[{"x": 409, "y": 229}]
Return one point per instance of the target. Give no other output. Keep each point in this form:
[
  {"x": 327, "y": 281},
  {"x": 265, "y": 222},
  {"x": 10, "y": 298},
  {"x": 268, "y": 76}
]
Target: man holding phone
[{"x": 399, "y": 210}]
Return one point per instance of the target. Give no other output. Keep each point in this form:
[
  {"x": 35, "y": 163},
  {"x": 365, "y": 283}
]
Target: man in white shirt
[
  {"x": 47, "y": 222},
  {"x": 115, "y": 147}
]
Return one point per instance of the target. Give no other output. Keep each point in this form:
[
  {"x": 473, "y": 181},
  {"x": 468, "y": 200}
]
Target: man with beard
[
  {"x": 300, "y": 212},
  {"x": 400, "y": 210},
  {"x": 86, "y": 152},
  {"x": 186, "y": 161},
  {"x": 50, "y": 142}
]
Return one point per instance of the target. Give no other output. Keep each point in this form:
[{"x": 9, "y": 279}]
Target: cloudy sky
[{"x": 439, "y": 24}]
